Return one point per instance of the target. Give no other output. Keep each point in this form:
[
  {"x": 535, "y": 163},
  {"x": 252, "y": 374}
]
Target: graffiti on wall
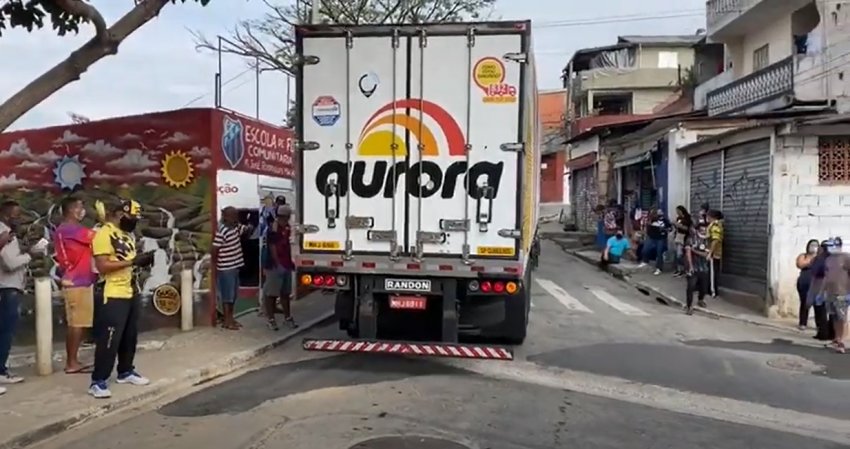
[
  {"x": 705, "y": 187},
  {"x": 748, "y": 193},
  {"x": 164, "y": 164}
]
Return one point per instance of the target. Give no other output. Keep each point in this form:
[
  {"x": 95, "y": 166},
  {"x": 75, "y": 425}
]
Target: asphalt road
[{"x": 603, "y": 367}]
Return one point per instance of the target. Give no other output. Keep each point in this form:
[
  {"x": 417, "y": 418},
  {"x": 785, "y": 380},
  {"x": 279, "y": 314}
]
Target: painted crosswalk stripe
[
  {"x": 562, "y": 296},
  {"x": 625, "y": 308}
]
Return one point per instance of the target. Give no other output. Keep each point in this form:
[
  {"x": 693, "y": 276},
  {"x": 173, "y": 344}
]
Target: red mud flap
[{"x": 420, "y": 349}]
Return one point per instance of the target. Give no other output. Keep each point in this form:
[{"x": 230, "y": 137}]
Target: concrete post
[
  {"x": 187, "y": 293},
  {"x": 44, "y": 326}
]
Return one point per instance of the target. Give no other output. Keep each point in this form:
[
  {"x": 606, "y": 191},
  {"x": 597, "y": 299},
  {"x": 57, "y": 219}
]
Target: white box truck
[{"x": 418, "y": 183}]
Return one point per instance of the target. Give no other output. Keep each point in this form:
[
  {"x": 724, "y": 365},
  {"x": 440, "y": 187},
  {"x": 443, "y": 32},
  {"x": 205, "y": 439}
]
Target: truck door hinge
[
  {"x": 465, "y": 254},
  {"x": 470, "y": 37},
  {"x": 454, "y": 225},
  {"x": 518, "y": 147},
  {"x": 353, "y": 222},
  {"x": 521, "y": 58},
  {"x": 510, "y": 233},
  {"x": 423, "y": 38},
  {"x": 306, "y": 229},
  {"x": 302, "y": 60},
  {"x": 381, "y": 236},
  {"x": 395, "y": 39},
  {"x": 308, "y": 145},
  {"x": 349, "y": 40}
]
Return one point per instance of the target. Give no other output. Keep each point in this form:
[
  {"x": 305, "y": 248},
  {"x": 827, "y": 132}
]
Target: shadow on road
[{"x": 246, "y": 392}]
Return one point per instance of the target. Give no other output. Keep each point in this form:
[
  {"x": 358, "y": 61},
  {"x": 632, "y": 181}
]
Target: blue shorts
[{"x": 227, "y": 286}]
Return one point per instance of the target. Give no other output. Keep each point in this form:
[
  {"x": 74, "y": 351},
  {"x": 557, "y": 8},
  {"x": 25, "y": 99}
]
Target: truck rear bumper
[{"x": 423, "y": 349}]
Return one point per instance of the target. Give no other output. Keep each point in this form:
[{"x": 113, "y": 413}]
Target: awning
[
  {"x": 581, "y": 162},
  {"x": 632, "y": 160}
]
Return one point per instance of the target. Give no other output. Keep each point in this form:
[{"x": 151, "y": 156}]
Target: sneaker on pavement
[
  {"x": 2, "y": 391},
  {"x": 10, "y": 378},
  {"x": 100, "y": 390},
  {"x": 132, "y": 378},
  {"x": 656, "y": 272},
  {"x": 641, "y": 265}
]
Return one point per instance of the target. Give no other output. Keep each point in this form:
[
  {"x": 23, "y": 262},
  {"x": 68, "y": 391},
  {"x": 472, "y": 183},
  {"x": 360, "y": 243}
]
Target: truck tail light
[
  {"x": 318, "y": 281},
  {"x": 511, "y": 287},
  {"x": 498, "y": 287},
  {"x": 306, "y": 279},
  {"x": 473, "y": 286},
  {"x": 486, "y": 287}
]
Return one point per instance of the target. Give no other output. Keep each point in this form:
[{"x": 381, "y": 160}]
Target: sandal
[{"x": 840, "y": 348}]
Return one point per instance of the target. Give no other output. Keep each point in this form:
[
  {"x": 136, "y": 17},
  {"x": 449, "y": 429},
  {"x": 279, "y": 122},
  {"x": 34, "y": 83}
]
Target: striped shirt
[{"x": 228, "y": 241}]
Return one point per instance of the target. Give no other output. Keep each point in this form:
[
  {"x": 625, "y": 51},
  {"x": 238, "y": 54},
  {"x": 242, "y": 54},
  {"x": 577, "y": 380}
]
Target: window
[
  {"x": 761, "y": 57},
  {"x": 834, "y": 160},
  {"x": 668, "y": 60}
]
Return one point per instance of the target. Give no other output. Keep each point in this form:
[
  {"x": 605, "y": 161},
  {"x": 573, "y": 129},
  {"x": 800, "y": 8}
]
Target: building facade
[
  {"x": 780, "y": 54},
  {"x": 778, "y": 185}
]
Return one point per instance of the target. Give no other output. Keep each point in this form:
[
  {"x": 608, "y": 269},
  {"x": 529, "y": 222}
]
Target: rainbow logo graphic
[{"x": 377, "y": 137}]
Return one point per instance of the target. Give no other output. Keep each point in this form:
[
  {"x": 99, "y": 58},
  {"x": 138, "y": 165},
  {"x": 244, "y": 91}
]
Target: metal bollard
[
  {"x": 187, "y": 318},
  {"x": 44, "y": 326}
]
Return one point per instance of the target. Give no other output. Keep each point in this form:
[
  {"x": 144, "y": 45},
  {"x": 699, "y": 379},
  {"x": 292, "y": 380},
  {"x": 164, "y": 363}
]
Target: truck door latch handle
[{"x": 331, "y": 208}]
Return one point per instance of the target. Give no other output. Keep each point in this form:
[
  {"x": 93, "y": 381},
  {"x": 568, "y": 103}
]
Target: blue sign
[
  {"x": 232, "y": 143},
  {"x": 326, "y": 111}
]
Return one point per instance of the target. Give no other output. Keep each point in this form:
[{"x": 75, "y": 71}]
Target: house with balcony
[
  {"x": 780, "y": 55},
  {"x": 632, "y": 77}
]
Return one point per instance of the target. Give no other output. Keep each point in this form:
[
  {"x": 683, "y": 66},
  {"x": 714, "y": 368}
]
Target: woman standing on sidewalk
[
  {"x": 804, "y": 281},
  {"x": 656, "y": 242},
  {"x": 817, "y": 270},
  {"x": 684, "y": 223}
]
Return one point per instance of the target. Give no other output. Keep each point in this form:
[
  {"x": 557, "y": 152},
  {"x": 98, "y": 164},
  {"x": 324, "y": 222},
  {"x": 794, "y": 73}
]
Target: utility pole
[{"x": 314, "y": 14}]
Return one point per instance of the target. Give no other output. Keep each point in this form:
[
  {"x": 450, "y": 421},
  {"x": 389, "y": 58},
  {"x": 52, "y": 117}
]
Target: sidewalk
[
  {"x": 671, "y": 291},
  {"x": 45, "y": 406}
]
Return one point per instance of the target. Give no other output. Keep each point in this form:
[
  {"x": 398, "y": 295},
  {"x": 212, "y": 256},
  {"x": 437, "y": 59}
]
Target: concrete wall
[
  {"x": 552, "y": 177},
  {"x": 648, "y": 57},
  {"x": 644, "y": 101},
  {"x": 802, "y": 209}
]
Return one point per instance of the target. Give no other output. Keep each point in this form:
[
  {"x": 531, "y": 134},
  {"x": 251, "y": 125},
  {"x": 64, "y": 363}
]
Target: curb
[
  {"x": 670, "y": 300},
  {"x": 160, "y": 388},
  {"x": 28, "y": 359}
]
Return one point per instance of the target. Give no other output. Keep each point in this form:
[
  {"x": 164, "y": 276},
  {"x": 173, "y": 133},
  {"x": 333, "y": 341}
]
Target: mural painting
[{"x": 164, "y": 161}]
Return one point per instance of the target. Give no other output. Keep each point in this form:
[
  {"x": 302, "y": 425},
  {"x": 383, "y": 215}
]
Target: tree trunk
[{"x": 77, "y": 63}]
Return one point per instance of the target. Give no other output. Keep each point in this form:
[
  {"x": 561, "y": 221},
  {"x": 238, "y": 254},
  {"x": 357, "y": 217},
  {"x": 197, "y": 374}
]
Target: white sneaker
[
  {"x": 657, "y": 272},
  {"x": 132, "y": 378},
  {"x": 99, "y": 390},
  {"x": 9, "y": 379},
  {"x": 2, "y": 391},
  {"x": 641, "y": 265}
]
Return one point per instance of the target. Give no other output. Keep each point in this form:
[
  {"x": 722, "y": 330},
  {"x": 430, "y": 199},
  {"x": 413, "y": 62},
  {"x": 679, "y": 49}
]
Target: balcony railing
[
  {"x": 771, "y": 82},
  {"x": 718, "y": 10}
]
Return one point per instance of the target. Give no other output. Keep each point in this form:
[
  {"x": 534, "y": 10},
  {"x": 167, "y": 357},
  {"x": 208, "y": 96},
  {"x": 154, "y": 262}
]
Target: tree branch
[
  {"x": 72, "y": 67},
  {"x": 89, "y": 13}
]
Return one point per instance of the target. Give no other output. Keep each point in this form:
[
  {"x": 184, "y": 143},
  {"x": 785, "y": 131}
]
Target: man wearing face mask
[
  {"x": 13, "y": 269},
  {"x": 114, "y": 249},
  {"x": 73, "y": 242},
  {"x": 615, "y": 247}
]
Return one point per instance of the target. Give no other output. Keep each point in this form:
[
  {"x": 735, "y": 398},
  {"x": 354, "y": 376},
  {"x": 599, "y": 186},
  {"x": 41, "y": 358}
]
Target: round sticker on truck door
[
  {"x": 489, "y": 75},
  {"x": 326, "y": 110}
]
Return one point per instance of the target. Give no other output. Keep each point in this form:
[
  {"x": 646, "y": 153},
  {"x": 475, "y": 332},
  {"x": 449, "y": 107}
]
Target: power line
[
  {"x": 619, "y": 19},
  {"x": 230, "y": 80}
]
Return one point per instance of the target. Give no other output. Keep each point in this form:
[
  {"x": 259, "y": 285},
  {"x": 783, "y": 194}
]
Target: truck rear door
[
  {"x": 416, "y": 140},
  {"x": 349, "y": 191},
  {"x": 464, "y": 180}
]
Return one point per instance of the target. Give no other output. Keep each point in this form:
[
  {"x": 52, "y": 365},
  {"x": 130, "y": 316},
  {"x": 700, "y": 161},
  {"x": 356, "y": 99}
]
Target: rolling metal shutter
[
  {"x": 745, "y": 206},
  {"x": 706, "y": 179},
  {"x": 586, "y": 199}
]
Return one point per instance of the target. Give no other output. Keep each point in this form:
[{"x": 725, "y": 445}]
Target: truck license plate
[{"x": 407, "y": 302}]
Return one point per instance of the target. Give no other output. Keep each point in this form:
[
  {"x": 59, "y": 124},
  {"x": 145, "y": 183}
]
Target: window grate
[{"x": 834, "y": 159}]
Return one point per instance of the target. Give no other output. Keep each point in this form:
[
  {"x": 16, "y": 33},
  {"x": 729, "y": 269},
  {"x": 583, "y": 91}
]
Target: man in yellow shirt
[
  {"x": 715, "y": 245},
  {"x": 114, "y": 250}
]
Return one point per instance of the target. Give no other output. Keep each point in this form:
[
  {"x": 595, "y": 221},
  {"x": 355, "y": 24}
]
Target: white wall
[
  {"x": 244, "y": 190},
  {"x": 678, "y": 178},
  {"x": 777, "y": 34},
  {"x": 582, "y": 147},
  {"x": 802, "y": 209}
]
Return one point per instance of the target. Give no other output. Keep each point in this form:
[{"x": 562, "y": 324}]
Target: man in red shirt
[
  {"x": 72, "y": 241},
  {"x": 278, "y": 284}
]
